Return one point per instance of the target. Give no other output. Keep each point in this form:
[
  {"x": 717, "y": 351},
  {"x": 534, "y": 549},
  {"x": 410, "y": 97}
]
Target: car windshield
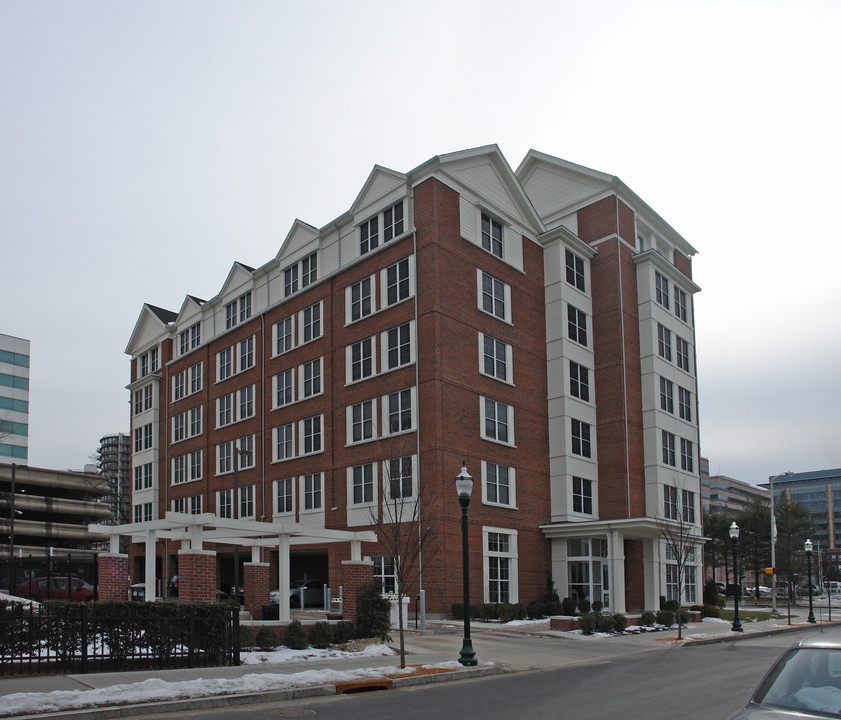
[{"x": 805, "y": 679}]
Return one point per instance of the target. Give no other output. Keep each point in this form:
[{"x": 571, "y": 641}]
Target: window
[
  {"x": 290, "y": 280},
  {"x": 246, "y": 353},
  {"x": 230, "y": 314},
  {"x": 368, "y": 235},
  {"x": 309, "y": 269},
  {"x": 224, "y": 506},
  {"x": 491, "y": 235},
  {"x": 283, "y": 388},
  {"x": 138, "y": 477},
  {"x": 397, "y": 281},
  {"x": 189, "y": 338},
  {"x": 670, "y": 502},
  {"x": 178, "y": 387},
  {"x": 195, "y": 335},
  {"x": 400, "y": 411},
  {"x": 245, "y": 307},
  {"x": 363, "y": 484},
  {"x": 661, "y": 287},
  {"x": 689, "y": 585},
  {"x": 284, "y": 500},
  {"x": 312, "y": 322},
  {"x": 138, "y": 439},
  {"x": 195, "y": 505},
  {"x": 360, "y": 299},
  {"x": 682, "y": 353},
  {"x": 494, "y": 357},
  {"x": 664, "y": 342},
  {"x": 312, "y": 491},
  {"x": 686, "y": 455},
  {"x": 226, "y": 363},
  {"x": 581, "y": 438},
  {"x": 147, "y": 436},
  {"x": 245, "y": 452},
  {"x": 399, "y": 346},
  {"x": 142, "y": 400},
  {"x": 361, "y": 359},
  {"x": 499, "y": 567},
  {"x": 582, "y": 495},
  {"x": 195, "y": 421},
  {"x": 498, "y": 484},
  {"x": 284, "y": 442},
  {"x": 225, "y": 407},
  {"x": 178, "y": 427},
  {"x": 178, "y": 475},
  {"x": 246, "y": 501},
  {"x": 238, "y": 310},
  {"x": 688, "y": 506},
  {"x": 147, "y": 476},
  {"x": 312, "y": 377},
  {"x": 577, "y": 325},
  {"x": 246, "y": 402},
  {"x": 672, "y": 582},
  {"x": 283, "y": 333},
  {"x": 178, "y": 505},
  {"x": 195, "y": 465},
  {"x": 312, "y": 434},
  {"x": 497, "y": 420},
  {"x": 684, "y": 403},
  {"x": 575, "y": 270},
  {"x": 400, "y": 478},
  {"x": 224, "y": 457},
  {"x": 393, "y": 222},
  {"x": 493, "y": 296},
  {"x": 195, "y": 374},
  {"x": 184, "y": 342},
  {"x": 680, "y": 303},
  {"x": 148, "y": 362},
  {"x": 385, "y": 573},
  {"x": 362, "y": 421},
  {"x": 667, "y": 401},
  {"x": 668, "y": 442},
  {"x": 579, "y": 381}
]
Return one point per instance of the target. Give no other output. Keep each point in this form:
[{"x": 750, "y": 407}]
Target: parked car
[
  {"x": 763, "y": 592},
  {"x": 722, "y": 588},
  {"x": 804, "y": 683},
  {"x": 55, "y": 588},
  {"x": 833, "y": 587},
  {"x": 806, "y": 590},
  {"x": 313, "y": 592},
  {"x": 172, "y": 586}
]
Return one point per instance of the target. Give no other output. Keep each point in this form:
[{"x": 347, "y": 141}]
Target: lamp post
[
  {"x": 787, "y": 473},
  {"x": 237, "y": 454},
  {"x": 464, "y": 486},
  {"x": 808, "y": 546},
  {"x": 734, "y": 536}
]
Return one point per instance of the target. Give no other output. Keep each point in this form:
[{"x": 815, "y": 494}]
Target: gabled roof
[
  {"x": 238, "y": 275},
  {"x": 299, "y": 235},
  {"x": 165, "y": 316},
  {"x": 380, "y": 182},
  {"x": 151, "y": 324},
  {"x": 189, "y": 308}
]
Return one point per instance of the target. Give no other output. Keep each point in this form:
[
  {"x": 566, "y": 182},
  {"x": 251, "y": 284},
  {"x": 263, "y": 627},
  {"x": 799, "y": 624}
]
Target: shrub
[
  {"x": 604, "y": 623},
  {"x": 320, "y": 635},
  {"x": 711, "y": 611},
  {"x": 246, "y": 636},
  {"x": 597, "y": 606},
  {"x": 683, "y": 617},
  {"x": 711, "y": 594},
  {"x": 568, "y": 606},
  {"x": 266, "y": 638},
  {"x": 672, "y": 605},
  {"x": 536, "y": 609},
  {"x": 648, "y": 618},
  {"x": 587, "y": 623},
  {"x": 343, "y": 632},
  {"x": 505, "y": 612},
  {"x": 372, "y": 613},
  {"x": 620, "y": 622},
  {"x": 295, "y": 637},
  {"x": 665, "y": 617},
  {"x": 553, "y": 607},
  {"x": 584, "y": 606}
]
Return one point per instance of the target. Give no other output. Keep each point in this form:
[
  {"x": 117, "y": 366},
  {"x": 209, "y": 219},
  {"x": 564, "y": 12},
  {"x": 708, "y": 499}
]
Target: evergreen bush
[
  {"x": 246, "y": 636},
  {"x": 711, "y": 611},
  {"x": 604, "y": 623},
  {"x": 320, "y": 635},
  {"x": 711, "y": 594},
  {"x": 568, "y": 606},
  {"x": 584, "y": 605},
  {"x": 294, "y": 637},
  {"x": 266, "y": 638},
  {"x": 372, "y": 613},
  {"x": 587, "y": 623},
  {"x": 620, "y": 622},
  {"x": 648, "y": 618},
  {"x": 665, "y": 617},
  {"x": 536, "y": 609},
  {"x": 597, "y": 606},
  {"x": 343, "y": 632}
]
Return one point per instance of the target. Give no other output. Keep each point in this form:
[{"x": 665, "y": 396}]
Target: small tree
[{"x": 372, "y": 612}]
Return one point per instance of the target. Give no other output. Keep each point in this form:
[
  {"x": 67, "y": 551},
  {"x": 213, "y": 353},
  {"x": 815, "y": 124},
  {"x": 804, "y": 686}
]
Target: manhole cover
[{"x": 292, "y": 712}]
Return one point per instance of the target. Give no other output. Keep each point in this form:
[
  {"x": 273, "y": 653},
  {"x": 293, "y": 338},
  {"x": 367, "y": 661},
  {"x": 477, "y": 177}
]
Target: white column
[
  {"x": 616, "y": 557},
  {"x": 283, "y": 577},
  {"x": 149, "y": 577},
  {"x": 651, "y": 573}
]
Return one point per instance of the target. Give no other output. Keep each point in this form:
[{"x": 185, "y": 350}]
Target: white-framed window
[
  {"x": 311, "y": 492},
  {"x": 284, "y": 442},
  {"x": 284, "y": 496},
  {"x": 500, "y": 564},
  {"x": 309, "y": 269},
  {"x": 224, "y": 503},
  {"x": 399, "y": 411},
  {"x": 579, "y": 381},
  {"x": 148, "y": 362},
  {"x": 246, "y": 353},
  {"x": 311, "y": 378},
  {"x": 689, "y": 590},
  {"x": 577, "y": 325},
  {"x": 290, "y": 280},
  {"x": 362, "y": 484},
  {"x": 224, "y": 406},
  {"x": 670, "y": 508},
  {"x": 245, "y": 452},
  {"x": 178, "y": 386},
  {"x": 494, "y": 296},
  {"x": 582, "y": 495},
  {"x": 224, "y": 457},
  {"x": 189, "y": 338},
  {"x": 499, "y": 486},
  {"x": 143, "y": 476},
  {"x": 688, "y": 498},
  {"x": 393, "y": 222},
  {"x": 178, "y": 505},
  {"x": 682, "y": 353},
  {"x": 195, "y": 421},
  {"x": 398, "y": 286},
  {"x": 361, "y": 421},
  {"x": 581, "y": 444},
  {"x": 491, "y": 235},
  {"x": 661, "y": 289},
  {"x": 195, "y": 504},
  {"x": 283, "y": 384},
  {"x": 495, "y": 358},
  {"x": 143, "y": 437},
  {"x": 400, "y": 485},
  {"x": 398, "y": 342},
  {"x": 360, "y": 358},
  {"x": 664, "y": 342},
  {"x": 680, "y": 304},
  {"x": 178, "y": 427},
  {"x": 143, "y": 399},
  {"x": 311, "y": 322},
  {"x": 238, "y": 310},
  {"x": 311, "y": 440},
  {"x": 668, "y": 443},
  {"x": 667, "y": 398},
  {"x": 194, "y": 373},
  {"x": 225, "y": 364},
  {"x": 369, "y": 237},
  {"x": 196, "y": 465},
  {"x": 385, "y": 573},
  {"x": 246, "y": 402},
  {"x": 360, "y": 297},
  {"x": 246, "y": 502},
  {"x": 284, "y": 335},
  {"x": 392, "y": 227},
  {"x": 687, "y": 455},
  {"x": 672, "y": 582},
  {"x": 575, "y": 270},
  {"x": 684, "y": 403},
  {"x": 179, "y": 474},
  {"x": 498, "y": 421}
]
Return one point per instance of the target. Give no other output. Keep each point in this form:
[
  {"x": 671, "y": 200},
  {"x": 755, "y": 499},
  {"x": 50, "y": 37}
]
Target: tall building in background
[
  {"x": 820, "y": 493},
  {"x": 726, "y": 492},
  {"x": 537, "y": 324},
  {"x": 14, "y": 399},
  {"x": 115, "y": 466}
]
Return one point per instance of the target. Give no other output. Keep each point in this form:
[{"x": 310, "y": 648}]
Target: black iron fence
[
  {"x": 59, "y": 577},
  {"x": 62, "y": 637}
]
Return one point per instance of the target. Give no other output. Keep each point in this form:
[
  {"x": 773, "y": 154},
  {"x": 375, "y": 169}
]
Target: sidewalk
[{"x": 512, "y": 647}]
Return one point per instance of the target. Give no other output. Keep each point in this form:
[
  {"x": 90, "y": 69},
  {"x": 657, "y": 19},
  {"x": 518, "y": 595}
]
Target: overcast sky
[{"x": 144, "y": 146}]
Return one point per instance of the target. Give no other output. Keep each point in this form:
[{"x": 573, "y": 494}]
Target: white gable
[
  {"x": 381, "y": 186},
  {"x": 148, "y": 331},
  {"x": 238, "y": 276},
  {"x": 189, "y": 312},
  {"x": 301, "y": 239}
]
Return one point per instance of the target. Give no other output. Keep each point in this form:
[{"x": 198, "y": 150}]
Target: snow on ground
[{"x": 283, "y": 654}]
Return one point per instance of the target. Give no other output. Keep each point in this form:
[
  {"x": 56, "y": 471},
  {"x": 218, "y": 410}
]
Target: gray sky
[{"x": 146, "y": 145}]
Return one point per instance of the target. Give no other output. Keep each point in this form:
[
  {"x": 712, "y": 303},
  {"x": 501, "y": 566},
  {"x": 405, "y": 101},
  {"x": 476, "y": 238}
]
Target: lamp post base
[
  {"x": 467, "y": 656},
  {"x": 737, "y": 626}
]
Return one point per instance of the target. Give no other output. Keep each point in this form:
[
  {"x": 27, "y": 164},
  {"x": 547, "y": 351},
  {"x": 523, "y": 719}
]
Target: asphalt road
[{"x": 702, "y": 682}]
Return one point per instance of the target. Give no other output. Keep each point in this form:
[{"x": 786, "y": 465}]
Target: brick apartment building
[{"x": 536, "y": 324}]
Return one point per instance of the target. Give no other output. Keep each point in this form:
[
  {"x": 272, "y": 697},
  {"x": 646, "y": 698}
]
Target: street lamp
[
  {"x": 808, "y": 546},
  {"x": 464, "y": 486},
  {"x": 238, "y": 452},
  {"x": 787, "y": 473},
  {"x": 734, "y": 536}
]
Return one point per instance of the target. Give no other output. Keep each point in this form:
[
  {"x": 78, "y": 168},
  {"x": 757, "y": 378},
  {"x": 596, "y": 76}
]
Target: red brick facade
[
  {"x": 256, "y": 586},
  {"x": 113, "y": 580},
  {"x": 355, "y": 573},
  {"x": 196, "y": 576}
]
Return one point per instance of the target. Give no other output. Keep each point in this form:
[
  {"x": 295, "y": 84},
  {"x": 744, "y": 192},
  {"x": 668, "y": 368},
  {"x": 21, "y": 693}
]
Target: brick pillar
[
  {"x": 113, "y": 582},
  {"x": 196, "y": 576},
  {"x": 355, "y": 573},
  {"x": 256, "y": 584}
]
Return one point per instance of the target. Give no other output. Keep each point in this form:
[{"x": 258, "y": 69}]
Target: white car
[{"x": 312, "y": 591}]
